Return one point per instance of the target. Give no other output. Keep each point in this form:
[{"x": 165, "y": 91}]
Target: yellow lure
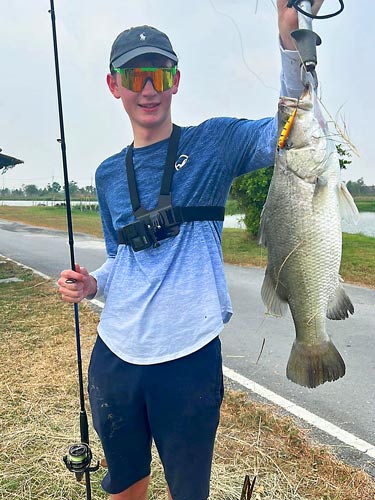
[{"x": 286, "y": 130}]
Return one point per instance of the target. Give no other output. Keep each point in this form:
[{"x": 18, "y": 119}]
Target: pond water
[
  {"x": 47, "y": 203},
  {"x": 366, "y": 224}
]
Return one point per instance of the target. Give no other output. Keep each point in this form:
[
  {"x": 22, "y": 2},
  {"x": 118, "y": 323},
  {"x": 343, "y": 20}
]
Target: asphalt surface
[{"x": 348, "y": 403}]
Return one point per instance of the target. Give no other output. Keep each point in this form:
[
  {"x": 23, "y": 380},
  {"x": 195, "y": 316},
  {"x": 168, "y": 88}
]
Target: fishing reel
[{"x": 78, "y": 460}]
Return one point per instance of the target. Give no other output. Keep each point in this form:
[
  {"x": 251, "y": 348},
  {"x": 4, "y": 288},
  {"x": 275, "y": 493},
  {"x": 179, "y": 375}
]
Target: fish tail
[{"x": 312, "y": 365}]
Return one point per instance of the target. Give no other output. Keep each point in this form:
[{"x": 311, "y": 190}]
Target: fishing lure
[{"x": 286, "y": 130}]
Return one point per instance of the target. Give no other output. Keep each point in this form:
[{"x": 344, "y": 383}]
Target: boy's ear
[
  {"x": 176, "y": 82},
  {"x": 112, "y": 85}
]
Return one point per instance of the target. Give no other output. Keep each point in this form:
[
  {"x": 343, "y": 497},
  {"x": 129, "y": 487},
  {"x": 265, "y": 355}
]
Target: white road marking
[
  {"x": 298, "y": 411},
  {"x": 42, "y": 275},
  {"x": 89, "y": 244}
]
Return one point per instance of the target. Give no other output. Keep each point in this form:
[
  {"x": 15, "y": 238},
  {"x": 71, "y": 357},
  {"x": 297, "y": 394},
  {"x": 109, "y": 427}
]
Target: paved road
[{"x": 348, "y": 402}]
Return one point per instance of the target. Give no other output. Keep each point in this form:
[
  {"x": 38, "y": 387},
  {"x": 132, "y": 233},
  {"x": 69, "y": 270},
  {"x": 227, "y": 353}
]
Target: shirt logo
[
  {"x": 181, "y": 161},
  {"x": 142, "y": 37}
]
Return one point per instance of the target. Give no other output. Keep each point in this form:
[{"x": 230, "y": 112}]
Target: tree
[
  {"x": 250, "y": 191},
  {"x": 90, "y": 189},
  {"x": 31, "y": 190},
  {"x": 55, "y": 187},
  {"x": 18, "y": 193},
  {"x": 73, "y": 188},
  {"x": 356, "y": 187}
]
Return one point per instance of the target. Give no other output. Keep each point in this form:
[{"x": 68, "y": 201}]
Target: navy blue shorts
[{"x": 176, "y": 403}]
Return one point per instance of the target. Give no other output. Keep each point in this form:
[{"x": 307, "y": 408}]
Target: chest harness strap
[{"x": 164, "y": 220}]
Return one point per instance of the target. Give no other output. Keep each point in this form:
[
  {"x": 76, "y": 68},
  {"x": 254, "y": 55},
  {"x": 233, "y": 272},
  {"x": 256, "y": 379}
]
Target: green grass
[
  {"x": 54, "y": 217},
  {"x": 231, "y": 208},
  {"x": 358, "y": 262},
  {"x": 239, "y": 248},
  {"x": 365, "y": 203}
]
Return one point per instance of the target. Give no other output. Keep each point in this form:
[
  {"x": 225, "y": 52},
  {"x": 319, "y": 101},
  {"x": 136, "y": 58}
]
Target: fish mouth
[{"x": 304, "y": 102}]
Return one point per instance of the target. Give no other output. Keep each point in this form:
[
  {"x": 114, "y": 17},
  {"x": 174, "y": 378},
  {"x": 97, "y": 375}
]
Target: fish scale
[{"x": 301, "y": 228}]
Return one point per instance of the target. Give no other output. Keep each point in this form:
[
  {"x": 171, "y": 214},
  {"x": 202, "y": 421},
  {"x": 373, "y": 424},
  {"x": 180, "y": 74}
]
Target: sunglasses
[{"x": 135, "y": 79}]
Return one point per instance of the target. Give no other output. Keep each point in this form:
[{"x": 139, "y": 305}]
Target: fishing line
[
  {"x": 242, "y": 47},
  {"x": 340, "y": 132}
]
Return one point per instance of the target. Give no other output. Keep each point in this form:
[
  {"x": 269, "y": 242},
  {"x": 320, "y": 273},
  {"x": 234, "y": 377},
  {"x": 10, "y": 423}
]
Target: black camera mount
[{"x": 152, "y": 226}]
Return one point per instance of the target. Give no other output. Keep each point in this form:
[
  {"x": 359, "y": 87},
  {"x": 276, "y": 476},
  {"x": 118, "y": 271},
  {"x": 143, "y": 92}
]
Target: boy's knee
[{"x": 137, "y": 491}]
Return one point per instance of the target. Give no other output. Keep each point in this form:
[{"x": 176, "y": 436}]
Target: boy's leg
[
  {"x": 183, "y": 402},
  {"x": 137, "y": 491},
  {"x": 121, "y": 422}
]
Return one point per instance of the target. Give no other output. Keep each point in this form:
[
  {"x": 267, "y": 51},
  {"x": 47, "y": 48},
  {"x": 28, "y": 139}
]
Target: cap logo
[{"x": 142, "y": 37}]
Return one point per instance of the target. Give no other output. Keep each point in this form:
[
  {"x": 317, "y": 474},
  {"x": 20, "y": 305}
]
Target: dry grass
[{"x": 39, "y": 417}]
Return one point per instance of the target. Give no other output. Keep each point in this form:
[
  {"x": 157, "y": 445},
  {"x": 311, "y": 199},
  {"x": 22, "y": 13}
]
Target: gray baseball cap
[{"x": 137, "y": 41}]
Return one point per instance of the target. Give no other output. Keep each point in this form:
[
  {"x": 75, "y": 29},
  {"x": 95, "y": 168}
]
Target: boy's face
[{"x": 147, "y": 108}]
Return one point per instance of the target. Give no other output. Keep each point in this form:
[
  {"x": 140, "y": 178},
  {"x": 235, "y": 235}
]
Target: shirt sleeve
[
  {"x": 291, "y": 83},
  {"x": 260, "y": 136},
  {"x": 101, "y": 275},
  {"x": 109, "y": 232}
]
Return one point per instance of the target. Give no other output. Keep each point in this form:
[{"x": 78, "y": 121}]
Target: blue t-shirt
[{"x": 164, "y": 303}]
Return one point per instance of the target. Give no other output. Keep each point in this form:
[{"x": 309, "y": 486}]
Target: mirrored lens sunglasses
[{"x": 134, "y": 79}]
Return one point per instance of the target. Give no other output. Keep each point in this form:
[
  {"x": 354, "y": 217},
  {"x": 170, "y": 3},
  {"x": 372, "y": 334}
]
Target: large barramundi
[{"x": 301, "y": 228}]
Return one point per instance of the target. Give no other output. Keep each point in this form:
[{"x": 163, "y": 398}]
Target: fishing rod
[{"x": 79, "y": 455}]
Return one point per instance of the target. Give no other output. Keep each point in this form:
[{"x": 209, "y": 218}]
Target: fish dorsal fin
[{"x": 348, "y": 209}]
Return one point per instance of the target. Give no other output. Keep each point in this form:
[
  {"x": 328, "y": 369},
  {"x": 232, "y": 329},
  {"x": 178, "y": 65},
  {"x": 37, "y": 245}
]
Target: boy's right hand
[{"x": 74, "y": 286}]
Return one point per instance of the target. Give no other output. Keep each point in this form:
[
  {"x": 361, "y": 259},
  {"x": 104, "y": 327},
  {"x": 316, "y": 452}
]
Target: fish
[{"x": 301, "y": 228}]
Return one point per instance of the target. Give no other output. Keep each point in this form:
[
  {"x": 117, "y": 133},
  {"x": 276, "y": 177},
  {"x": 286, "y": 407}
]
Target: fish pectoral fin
[
  {"x": 348, "y": 209},
  {"x": 340, "y": 305},
  {"x": 313, "y": 365},
  {"x": 261, "y": 238},
  {"x": 275, "y": 305}
]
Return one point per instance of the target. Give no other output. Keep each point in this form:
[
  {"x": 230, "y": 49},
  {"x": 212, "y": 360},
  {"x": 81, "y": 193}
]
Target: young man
[{"x": 155, "y": 371}]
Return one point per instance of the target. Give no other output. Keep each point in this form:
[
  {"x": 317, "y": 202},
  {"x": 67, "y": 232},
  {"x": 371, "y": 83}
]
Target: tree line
[
  {"x": 359, "y": 188},
  {"x": 53, "y": 191}
]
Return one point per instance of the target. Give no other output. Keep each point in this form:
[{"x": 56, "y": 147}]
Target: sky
[{"x": 229, "y": 61}]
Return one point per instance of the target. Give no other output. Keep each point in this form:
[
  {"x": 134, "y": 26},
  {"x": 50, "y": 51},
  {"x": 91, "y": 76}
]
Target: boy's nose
[{"x": 148, "y": 87}]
